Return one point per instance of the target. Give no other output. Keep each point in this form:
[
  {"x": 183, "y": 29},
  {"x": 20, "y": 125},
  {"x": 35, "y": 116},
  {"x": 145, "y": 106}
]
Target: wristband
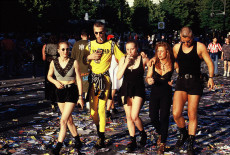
[
  {"x": 210, "y": 77},
  {"x": 81, "y": 95}
]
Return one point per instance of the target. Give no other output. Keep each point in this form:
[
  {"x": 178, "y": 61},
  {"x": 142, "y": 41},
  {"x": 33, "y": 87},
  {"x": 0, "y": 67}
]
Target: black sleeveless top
[
  {"x": 189, "y": 63},
  {"x": 133, "y": 82},
  {"x": 162, "y": 79}
]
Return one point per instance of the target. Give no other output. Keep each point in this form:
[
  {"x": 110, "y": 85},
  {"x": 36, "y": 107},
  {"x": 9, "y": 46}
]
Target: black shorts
[
  {"x": 190, "y": 84},
  {"x": 68, "y": 94}
]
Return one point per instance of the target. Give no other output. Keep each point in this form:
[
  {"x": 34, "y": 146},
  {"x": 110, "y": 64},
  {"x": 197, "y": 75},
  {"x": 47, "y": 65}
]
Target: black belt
[
  {"x": 188, "y": 76},
  {"x": 68, "y": 85}
]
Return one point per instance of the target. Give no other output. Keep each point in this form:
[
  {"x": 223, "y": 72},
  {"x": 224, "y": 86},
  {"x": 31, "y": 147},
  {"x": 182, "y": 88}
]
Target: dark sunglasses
[
  {"x": 98, "y": 32},
  {"x": 63, "y": 49},
  {"x": 186, "y": 41}
]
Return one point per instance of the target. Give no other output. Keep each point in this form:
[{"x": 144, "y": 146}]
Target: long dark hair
[{"x": 170, "y": 57}]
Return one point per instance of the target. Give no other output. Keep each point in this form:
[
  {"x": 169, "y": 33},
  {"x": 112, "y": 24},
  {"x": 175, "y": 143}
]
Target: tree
[
  {"x": 179, "y": 13},
  {"x": 216, "y": 22}
]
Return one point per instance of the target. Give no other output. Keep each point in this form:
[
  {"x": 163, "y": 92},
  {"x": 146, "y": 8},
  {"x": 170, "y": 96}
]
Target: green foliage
[
  {"x": 143, "y": 17},
  {"x": 204, "y": 8},
  {"x": 36, "y": 7}
]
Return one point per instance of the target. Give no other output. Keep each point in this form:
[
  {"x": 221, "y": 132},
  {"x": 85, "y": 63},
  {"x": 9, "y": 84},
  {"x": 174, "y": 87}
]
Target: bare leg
[
  {"x": 228, "y": 66},
  {"x": 193, "y": 102},
  {"x": 179, "y": 99},
  {"x": 130, "y": 123},
  {"x": 70, "y": 123},
  {"x": 68, "y": 108},
  {"x": 110, "y": 103},
  {"x": 225, "y": 66},
  {"x": 137, "y": 101}
]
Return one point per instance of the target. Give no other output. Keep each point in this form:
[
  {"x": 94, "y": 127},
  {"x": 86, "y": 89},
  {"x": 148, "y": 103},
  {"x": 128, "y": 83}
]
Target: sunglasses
[
  {"x": 63, "y": 49},
  {"x": 186, "y": 41},
  {"x": 98, "y": 32}
]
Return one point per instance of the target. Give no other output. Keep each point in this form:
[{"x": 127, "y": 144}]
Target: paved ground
[{"x": 28, "y": 126}]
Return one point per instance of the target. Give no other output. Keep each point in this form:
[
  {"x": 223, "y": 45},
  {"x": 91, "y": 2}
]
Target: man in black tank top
[{"x": 189, "y": 85}]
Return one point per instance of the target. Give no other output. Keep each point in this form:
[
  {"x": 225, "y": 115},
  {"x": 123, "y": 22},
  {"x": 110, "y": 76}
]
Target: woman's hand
[
  {"x": 170, "y": 82},
  {"x": 222, "y": 58},
  {"x": 150, "y": 80},
  {"x": 128, "y": 60},
  {"x": 59, "y": 85},
  {"x": 151, "y": 62},
  {"x": 80, "y": 102}
]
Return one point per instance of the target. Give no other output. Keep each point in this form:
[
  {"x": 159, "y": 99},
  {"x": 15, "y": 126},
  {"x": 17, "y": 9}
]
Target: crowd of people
[{"x": 93, "y": 71}]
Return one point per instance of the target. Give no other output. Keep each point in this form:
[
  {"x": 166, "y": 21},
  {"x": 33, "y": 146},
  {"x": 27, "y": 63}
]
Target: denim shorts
[{"x": 68, "y": 94}]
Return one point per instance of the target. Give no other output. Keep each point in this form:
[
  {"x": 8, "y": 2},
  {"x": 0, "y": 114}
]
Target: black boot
[
  {"x": 78, "y": 143},
  {"x": 101, "y": 141},
  {"x": 132, "y": 146},
  {"x": 115, "y": 111},
  {"x": 191, "y": 140},
  {"x": 183, "y": 137},
  {"x": 108, "y": 114},
  {"x": 57, "y": 149},
  {"x": 143, "y": 138}
]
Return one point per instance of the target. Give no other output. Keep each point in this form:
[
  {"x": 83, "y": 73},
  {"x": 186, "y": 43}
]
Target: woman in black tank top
[
  {"x": 159, "y": 76},
  {"x": 133, "y": 91}
]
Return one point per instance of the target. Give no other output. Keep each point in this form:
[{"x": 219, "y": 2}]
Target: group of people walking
[{"x": 96, "y": 56}]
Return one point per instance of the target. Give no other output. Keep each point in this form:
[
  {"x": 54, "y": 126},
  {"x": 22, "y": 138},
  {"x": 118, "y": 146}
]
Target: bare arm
[
  {"x": 43, "y": 52},
  {"x": 149, "y": 75},
  {"x": 176, "y": 67},
  {"x": 145, "y": 61},
  {"x": 123, "y": 64},
  {"x": 176, "y": 49},
  {"x": 79, "y": 84},
  {"x": 208, "y": 61},
  {"x": 151, "y": 61},
  {"x": 58, "y": 84}
]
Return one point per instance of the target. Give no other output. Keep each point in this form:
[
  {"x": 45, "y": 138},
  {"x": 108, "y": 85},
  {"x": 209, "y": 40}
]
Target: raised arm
[{"x": 123, "y": 64}]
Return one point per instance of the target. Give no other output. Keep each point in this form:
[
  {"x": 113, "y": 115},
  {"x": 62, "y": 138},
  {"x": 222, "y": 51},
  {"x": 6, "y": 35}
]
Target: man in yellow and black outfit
[{"x": 99, "y": 58}]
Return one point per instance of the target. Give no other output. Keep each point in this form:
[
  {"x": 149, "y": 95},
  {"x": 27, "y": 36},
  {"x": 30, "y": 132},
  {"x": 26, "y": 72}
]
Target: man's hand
[
  {"x": 94, "y": 56},
  {"x": 210, "y": 84}
]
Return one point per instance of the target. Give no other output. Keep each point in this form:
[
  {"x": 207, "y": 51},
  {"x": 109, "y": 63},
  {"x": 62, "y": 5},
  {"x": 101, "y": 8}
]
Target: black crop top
[{"x": 189, "y": 63}]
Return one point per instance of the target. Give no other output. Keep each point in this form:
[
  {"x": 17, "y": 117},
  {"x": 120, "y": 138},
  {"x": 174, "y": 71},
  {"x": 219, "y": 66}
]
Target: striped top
[{"x": 213, "y": 48}]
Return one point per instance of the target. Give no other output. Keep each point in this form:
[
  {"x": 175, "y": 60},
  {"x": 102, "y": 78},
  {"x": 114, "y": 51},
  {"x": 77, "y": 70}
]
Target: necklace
[
  {"x": 132, "y": 64},
  {"x": 163, "y": 68}
]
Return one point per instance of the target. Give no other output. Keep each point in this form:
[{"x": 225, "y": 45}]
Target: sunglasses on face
[
  {"x": 98, "y": 32},
  {"x": 63, "y": 49},
  {"x": 186, "y": 41}
]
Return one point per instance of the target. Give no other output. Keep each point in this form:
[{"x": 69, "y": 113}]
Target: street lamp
[{"x": 219, "y": 12}]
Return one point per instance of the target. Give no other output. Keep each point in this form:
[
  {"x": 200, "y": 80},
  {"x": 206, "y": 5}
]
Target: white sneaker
[
  {"x": 228, "y": 74},
  {"x": 224, "y": 74}
]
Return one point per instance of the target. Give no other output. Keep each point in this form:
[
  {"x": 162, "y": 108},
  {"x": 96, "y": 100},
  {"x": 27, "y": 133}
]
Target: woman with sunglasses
[
  {"x": 159, "y": 77},
  {"x": 68, "y": 94},
  {"x": 132, "y": 67}
]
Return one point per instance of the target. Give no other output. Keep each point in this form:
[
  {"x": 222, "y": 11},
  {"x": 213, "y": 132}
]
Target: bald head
[{"x": 186, "y": 32}]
